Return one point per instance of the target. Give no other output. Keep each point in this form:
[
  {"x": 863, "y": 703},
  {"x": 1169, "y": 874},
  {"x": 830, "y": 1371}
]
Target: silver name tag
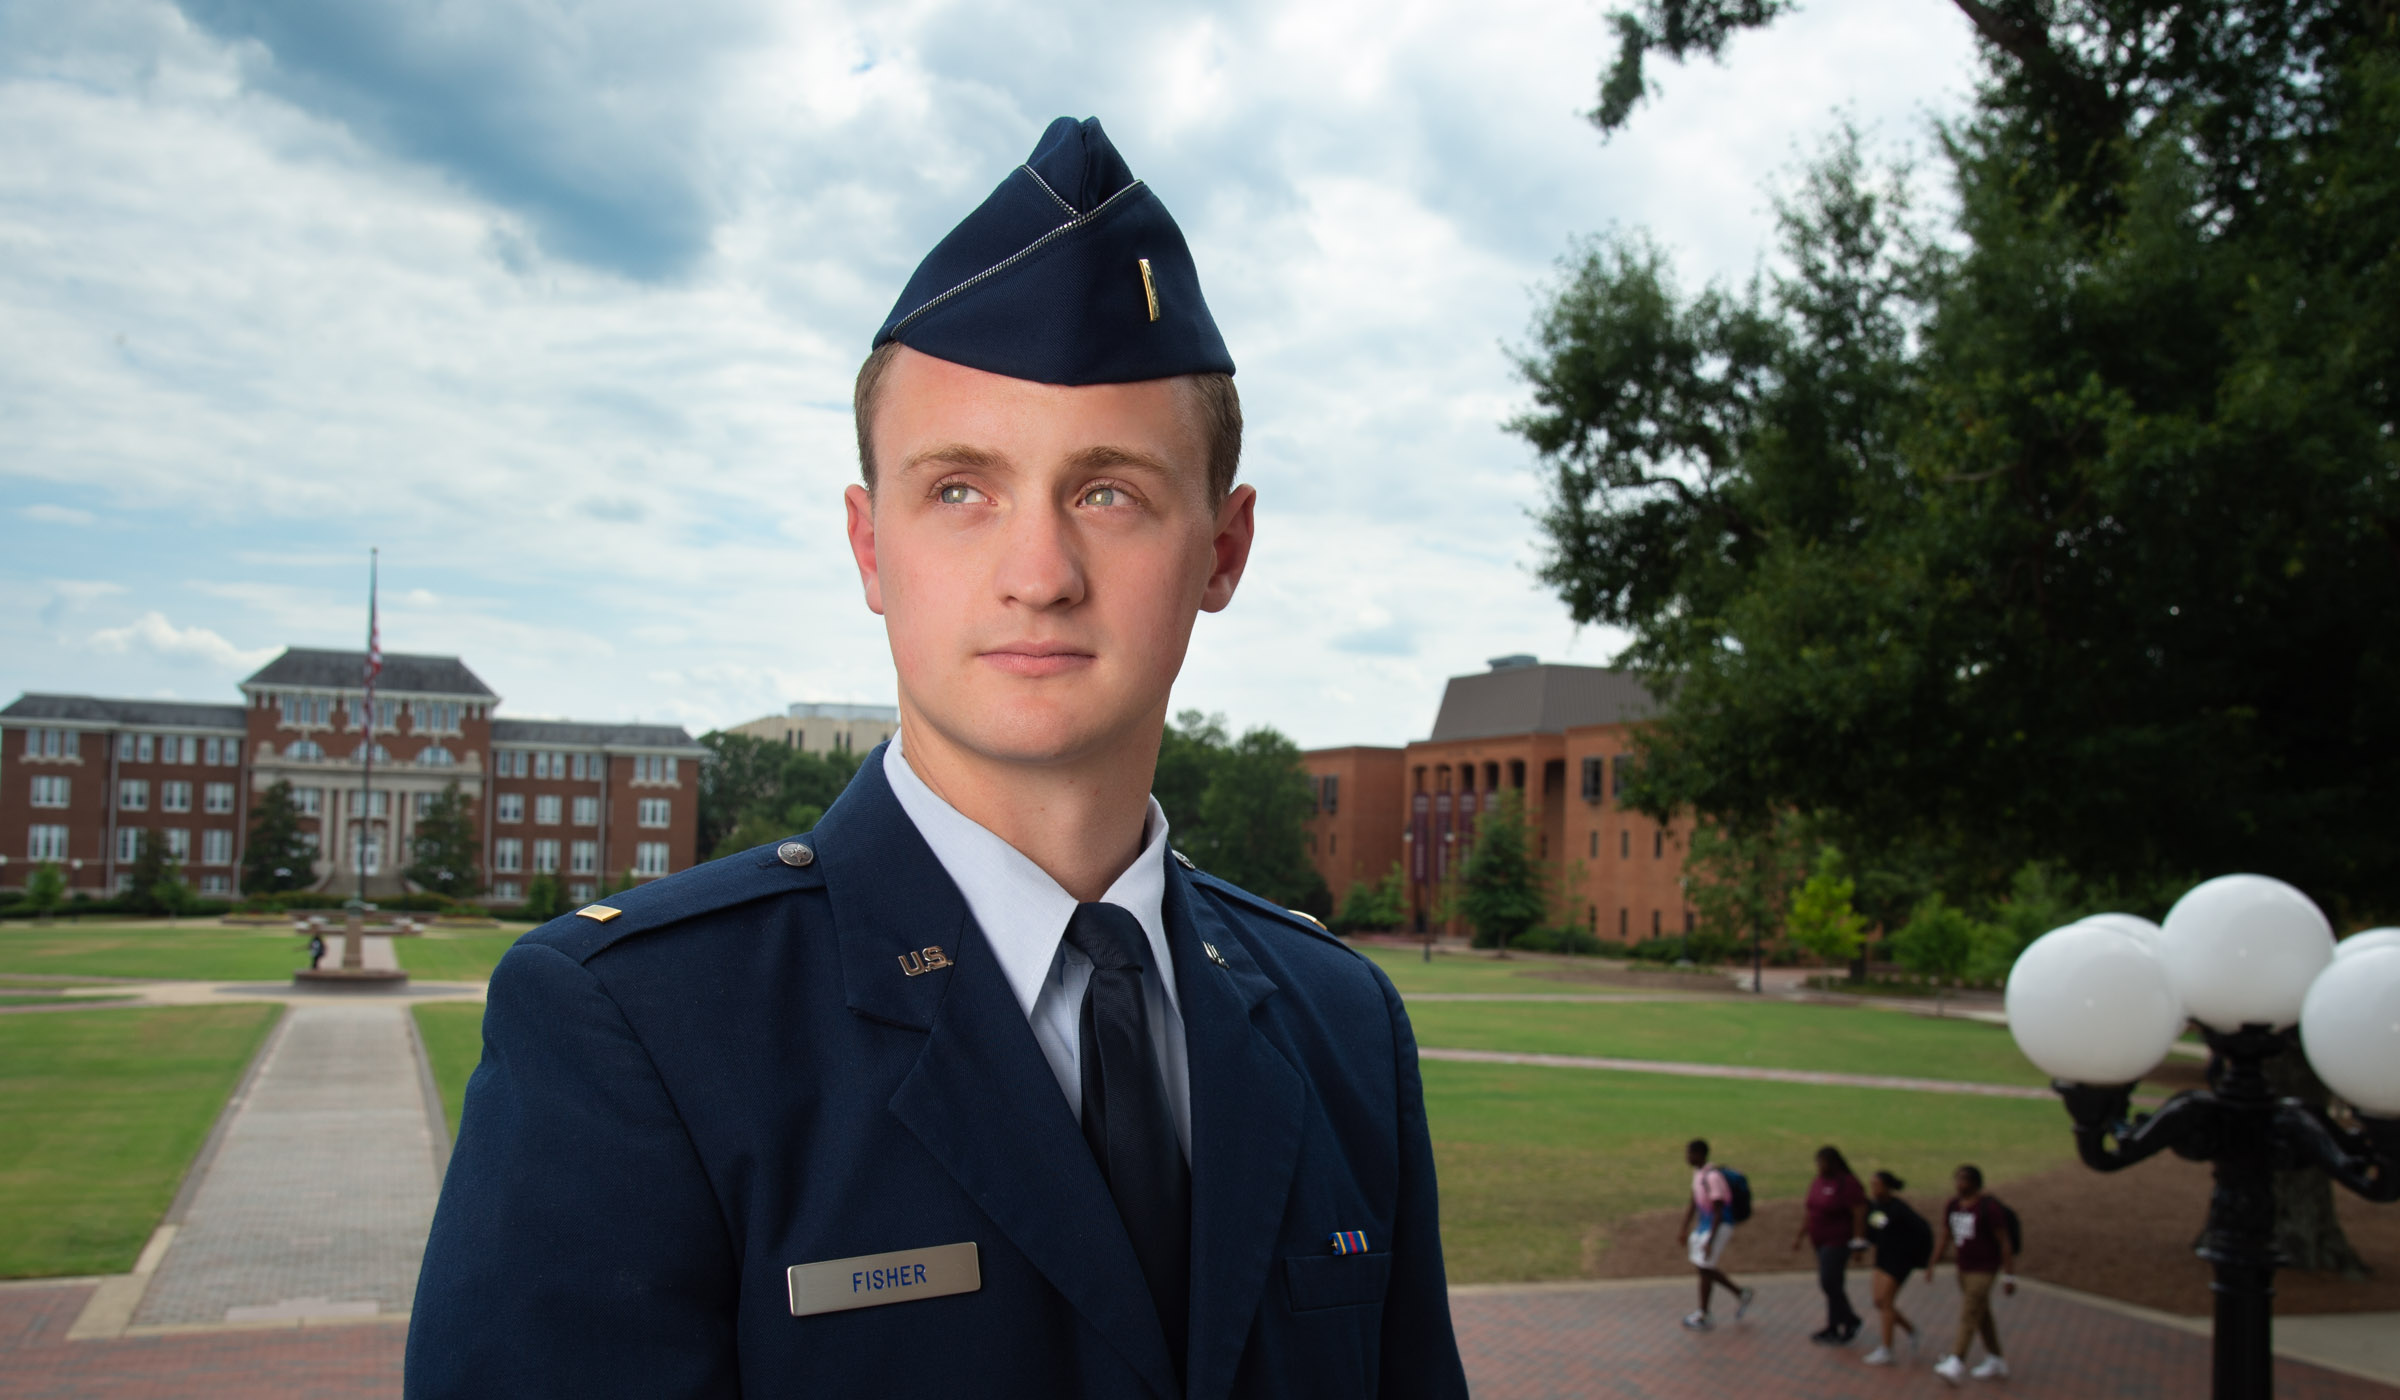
[{"x": 835, "y": 1285}]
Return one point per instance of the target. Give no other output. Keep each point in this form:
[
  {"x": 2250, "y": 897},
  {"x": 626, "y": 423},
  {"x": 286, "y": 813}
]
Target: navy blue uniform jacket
[{"x": 737, "y": 1075}]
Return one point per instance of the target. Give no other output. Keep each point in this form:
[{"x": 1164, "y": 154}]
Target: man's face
[{"x": 1038, "y": 554}]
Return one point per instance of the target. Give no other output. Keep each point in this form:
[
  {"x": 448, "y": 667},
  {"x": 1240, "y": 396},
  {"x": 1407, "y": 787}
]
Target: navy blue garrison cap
[{"x": 1072, "y": 272}]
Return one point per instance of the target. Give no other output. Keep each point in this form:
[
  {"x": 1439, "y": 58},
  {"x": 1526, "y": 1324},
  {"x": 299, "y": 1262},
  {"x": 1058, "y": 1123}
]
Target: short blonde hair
[{"x": 1219, "y": 405}]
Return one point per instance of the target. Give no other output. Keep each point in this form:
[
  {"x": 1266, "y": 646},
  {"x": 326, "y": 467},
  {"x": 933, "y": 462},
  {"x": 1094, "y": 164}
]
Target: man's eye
[
  {"x": 955, "y": 495},
  {"x": 1102, "y": 496}
]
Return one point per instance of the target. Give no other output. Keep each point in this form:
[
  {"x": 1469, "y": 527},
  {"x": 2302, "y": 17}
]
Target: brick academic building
[
  {"x": 1562, "y": 736},
  {"x": 81, "y": 778}
]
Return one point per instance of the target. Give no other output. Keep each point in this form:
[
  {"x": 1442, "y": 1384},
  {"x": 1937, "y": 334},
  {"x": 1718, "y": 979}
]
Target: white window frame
[
  {"x": 179, "y": 844},
  {"x": 133, "y": 794},
  {"x": 512, "y": 808},
  {"x": 545, "y": 856},
  {"x": 650, "y": 858},
  {"x": 46, "y": 842},
  {"x": 587, "y": 811},
  {"x": 654, "y": 812},
  {"x": 129, "y": 844},
  {"x": 217, "y": 798},
  {"x": 50, "y": 790},
  {"x": 508, "y": 855},
  {"x": 545, "y": 809},
  {"x": 216, "y": 846},
  {"x": 583, "y": 858},
  {"x": 174, "y": 795}
]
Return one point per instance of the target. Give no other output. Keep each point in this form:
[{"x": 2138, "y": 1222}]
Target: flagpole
[{"x": 366, "y": 790}]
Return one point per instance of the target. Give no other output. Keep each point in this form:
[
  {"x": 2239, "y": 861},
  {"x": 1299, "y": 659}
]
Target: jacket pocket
[{"x": 1336, "y": 1280}]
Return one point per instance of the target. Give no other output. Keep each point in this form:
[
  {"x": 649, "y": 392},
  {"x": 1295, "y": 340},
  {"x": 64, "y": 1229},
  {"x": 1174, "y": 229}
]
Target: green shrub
[{"x": 1558, "y": 939}]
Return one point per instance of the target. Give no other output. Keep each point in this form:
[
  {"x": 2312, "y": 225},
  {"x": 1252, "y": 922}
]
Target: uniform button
[{"x": 795, "y": 853}]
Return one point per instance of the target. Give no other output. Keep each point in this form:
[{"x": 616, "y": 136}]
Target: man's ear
[
  {"x": 860, "y": 507},
  {"x": 1236, "y": 524}
]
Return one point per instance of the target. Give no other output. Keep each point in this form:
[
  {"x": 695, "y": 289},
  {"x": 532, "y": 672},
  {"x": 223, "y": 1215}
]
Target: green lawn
[
  {"x": 453, "y": 1034},
  {"x": 1534, "y": 1161},
  {"x": 1784, "y": 1035},
  {"x": 1467, "y": 972},
  {"x": 103, "y": 1112},
  {"x": 206, "y": 952},
  {"x": 456, "y": 957}
]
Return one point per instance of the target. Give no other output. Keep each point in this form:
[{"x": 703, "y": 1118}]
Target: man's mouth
[{"x": 1037, "y": 659}]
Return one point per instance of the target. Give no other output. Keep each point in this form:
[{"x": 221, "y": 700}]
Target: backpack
[
  {"x": 2016, "y": 1231},
  {"x": 1739, "y": 1186}
]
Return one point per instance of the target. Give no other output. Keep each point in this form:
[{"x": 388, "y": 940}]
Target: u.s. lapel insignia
[
  {"x": 1215, "y": 956},
  {"x": 922, "y": 961}
]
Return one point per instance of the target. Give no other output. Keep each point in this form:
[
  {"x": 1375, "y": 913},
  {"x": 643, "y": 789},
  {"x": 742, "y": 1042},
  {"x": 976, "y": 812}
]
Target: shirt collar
[{"x": 1022, "y": 911}]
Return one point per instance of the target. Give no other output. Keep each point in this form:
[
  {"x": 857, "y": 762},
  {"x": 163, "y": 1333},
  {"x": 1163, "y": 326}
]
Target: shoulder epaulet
[
  {"x": 758, "y": 873},
  {"x": 1306, "y": 923}
]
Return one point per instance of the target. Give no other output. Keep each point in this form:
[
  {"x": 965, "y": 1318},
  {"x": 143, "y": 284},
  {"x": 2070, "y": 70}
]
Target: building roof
[
  {"x": 346, "y": 670},
  {"x": 90, "y": 709},
  {"x": 1517, "y": 698},
  {"x": 583, "y": 734}
]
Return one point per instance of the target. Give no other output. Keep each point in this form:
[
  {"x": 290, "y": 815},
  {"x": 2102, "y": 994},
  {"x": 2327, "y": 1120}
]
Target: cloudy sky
[{"x": 558, "y": 304}]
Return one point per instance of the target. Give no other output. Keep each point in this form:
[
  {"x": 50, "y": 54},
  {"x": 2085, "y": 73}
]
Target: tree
[
  {"x": 1500, "y": 887},
  {"x": 1187, "y": 757},
  {"x": 45, "y": 889},
  {"x": 153, "y": 876},
  {"x": 1822, "y": 919},
  {"x": 1937, "y": 942},
  {"x": 1253, "y": 822},
  {"x": 446, "y": 847},
  {"x": 543, "y": 900},
  {"x": 1739, "y": 879},
  {"x": 1377, "y": 905},
  {"x": 2067, "y": 536},
  {"x": 753, "y": 792},
  {"x": 277, "y": 855}
]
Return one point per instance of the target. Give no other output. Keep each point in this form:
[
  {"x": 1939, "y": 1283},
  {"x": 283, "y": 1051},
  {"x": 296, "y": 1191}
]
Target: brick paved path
[
  {"x": 321, "y": 1193},
  {"x": 37, "y": 1362},
  {"x": 1624, "y": 1340}
]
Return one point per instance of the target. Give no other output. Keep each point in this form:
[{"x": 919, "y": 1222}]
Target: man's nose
[{"x": 1041, "y": 564}]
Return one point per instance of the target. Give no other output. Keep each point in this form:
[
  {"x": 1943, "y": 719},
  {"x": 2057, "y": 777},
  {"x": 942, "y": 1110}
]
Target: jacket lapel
[
  {"x": 980, "y": 1097},
  {"x": 1247, "y": 1107}
]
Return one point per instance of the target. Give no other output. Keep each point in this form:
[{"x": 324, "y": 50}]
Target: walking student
[
  {"x": 1903, "y": 1242},
  {"x": 1978, "y": 1225},
  {"x": 1835, "y": 1222},
  {"x": 1707, "y": 1229}
]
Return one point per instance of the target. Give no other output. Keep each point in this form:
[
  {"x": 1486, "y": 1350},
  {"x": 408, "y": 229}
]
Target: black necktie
[{"x": 1125, "y": 1116}]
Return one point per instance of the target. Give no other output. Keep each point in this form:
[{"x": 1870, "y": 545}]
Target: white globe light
[
  {"x": 2091, "y": 1004},
  {"x": 2350, "y": 1027},
  {"x": 2149, "y": 933},
  {"x": 2372, "y": 938},
  {"x": 2242, "y": 950}
]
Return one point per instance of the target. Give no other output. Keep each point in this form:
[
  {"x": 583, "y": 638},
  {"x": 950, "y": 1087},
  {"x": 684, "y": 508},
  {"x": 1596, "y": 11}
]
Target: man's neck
[{"x": 1081, "y": 821}]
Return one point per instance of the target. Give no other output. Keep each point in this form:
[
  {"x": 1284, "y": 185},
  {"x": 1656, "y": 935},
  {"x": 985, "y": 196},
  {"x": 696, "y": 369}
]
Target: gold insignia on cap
[
  {"x": 1149, "y": 288},
  {"x": 598, "y": 913}
]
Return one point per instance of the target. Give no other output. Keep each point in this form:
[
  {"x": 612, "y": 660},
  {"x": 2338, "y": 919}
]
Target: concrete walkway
[
  {"x": 311, "y": 1202},
  {"x": 1822, "y": 1078}
]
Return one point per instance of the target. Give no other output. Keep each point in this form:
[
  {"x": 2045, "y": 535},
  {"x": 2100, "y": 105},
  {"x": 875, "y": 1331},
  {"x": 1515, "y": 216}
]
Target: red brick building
[
  {"x": 1560, "y": 735},
  {"x": 81, "y": 778}
]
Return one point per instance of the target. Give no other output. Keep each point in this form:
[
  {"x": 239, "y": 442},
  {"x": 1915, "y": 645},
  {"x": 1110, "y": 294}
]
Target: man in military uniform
[{"x": 977, "y": 1089}]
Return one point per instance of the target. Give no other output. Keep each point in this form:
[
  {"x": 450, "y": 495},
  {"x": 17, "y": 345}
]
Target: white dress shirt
[{"x": 1023, "y": 914}]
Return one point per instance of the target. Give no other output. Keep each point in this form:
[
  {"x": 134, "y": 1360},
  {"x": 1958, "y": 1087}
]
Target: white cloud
[
  {"x": 151, "y": 632},
  {"x": 46, "y": 514},
  {"x": 256, "y": 325}
]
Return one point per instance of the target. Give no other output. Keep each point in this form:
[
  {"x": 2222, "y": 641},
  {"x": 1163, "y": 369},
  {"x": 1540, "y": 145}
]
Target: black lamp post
[{"x": 2254, "y": 963}]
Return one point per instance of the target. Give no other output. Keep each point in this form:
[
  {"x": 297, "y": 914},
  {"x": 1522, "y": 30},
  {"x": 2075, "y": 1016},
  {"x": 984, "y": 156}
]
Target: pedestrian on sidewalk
[
  {"x": 1835, "y": 1222},
  {"x": 1903, "y": 1242},
  {"x": 316, "y": 950},
  {"x": 1978, "y": 1225},
  {"x": 1707, "y": 1229}
]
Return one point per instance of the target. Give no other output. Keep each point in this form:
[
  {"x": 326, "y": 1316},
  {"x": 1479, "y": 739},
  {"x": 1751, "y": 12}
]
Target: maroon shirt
[
  {"x": 1976, "y": 1230},
  {"x": 1830, "y": 1199}
]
